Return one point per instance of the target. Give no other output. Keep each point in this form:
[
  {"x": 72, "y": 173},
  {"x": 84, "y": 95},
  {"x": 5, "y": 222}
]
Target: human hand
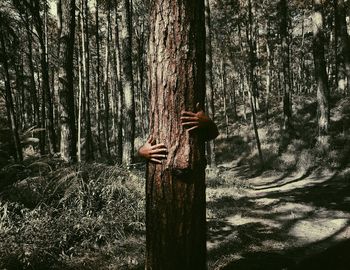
[
  {"x": 192, "y": 121},
  {"x": 154, "y": 153}
]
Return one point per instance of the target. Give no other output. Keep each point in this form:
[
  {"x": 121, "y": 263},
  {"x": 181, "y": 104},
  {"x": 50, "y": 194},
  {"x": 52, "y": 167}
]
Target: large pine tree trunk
[
  {"x": 320, "y": 71},
  {"x": 68, "y": 146},
  {"x": 175, "y": 192},
  {"x": 128, "y": 84}
]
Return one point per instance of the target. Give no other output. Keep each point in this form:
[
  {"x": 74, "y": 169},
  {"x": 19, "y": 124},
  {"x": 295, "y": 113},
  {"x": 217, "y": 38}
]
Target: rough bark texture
[
  {"x": 68, "y": 147},
  {"x": 175, "y": 203},
  {"x": 128, "y": 84},
  {"x": 320, "y": 70}
]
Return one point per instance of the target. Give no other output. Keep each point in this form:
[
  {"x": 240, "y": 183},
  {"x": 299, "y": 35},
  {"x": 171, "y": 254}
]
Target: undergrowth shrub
[{"x": 77, "y": 210}]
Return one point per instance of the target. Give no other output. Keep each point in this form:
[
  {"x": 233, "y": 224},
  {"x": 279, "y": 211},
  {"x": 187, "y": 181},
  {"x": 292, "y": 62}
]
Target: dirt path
[{"x": 290, "y": 221}]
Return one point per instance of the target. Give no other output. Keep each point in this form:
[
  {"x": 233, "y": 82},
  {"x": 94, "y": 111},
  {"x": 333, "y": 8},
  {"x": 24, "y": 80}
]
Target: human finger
[
  {"x": 158, "y": 151},
  {"x": 187, "y": 113},
  {"x": 193, "y": 128},
  {"x": 189, "y": 118},
  {"x": 158, "y": 156},
  {"x": 150, "y": 139},
  {"x": 156, "y": 160},
  {"x": 156, "y": 146},
  {"x": 186, "y": 124}
]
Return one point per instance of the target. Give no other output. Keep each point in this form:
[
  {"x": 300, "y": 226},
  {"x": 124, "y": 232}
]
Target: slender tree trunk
[
  {"x": 344, "y": 48},
  {"x": 209, "y": 80},
  {"x": 128, "y": 84},
  {"x": 8, "y": 99},
  {"x": 105, "y": 81},
  {"x": 80, "y": 87},
  {"x": 98, "y": 80},
  {"x": 268, "y": 71},
  {"x": 120, "y": 93},
  {"x": 33, "y": 95},
  {"x": 86, "y": 71},
  {"x": 252, "y": 80},
  {"x": 68, "y": 146},
  {"x": 175, "y": 192},
  {"x": 320, "y": 71},
  {"x": 285, "y": 58},
  {"x": 224, "y": 94}
]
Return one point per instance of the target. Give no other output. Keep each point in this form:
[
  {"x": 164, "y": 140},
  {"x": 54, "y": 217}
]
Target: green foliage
[{"x": 78, "y": 210}]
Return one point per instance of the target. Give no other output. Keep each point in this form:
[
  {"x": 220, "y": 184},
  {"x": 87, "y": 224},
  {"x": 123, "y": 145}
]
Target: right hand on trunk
[{"x": 153, "y": 152}]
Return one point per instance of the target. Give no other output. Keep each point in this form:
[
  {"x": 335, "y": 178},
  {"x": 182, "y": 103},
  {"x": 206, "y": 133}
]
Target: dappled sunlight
[{"x": 277, "y": 212}]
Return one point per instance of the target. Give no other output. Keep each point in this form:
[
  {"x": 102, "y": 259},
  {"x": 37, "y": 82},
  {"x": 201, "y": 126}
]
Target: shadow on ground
[{"x": 293, "y": 224}]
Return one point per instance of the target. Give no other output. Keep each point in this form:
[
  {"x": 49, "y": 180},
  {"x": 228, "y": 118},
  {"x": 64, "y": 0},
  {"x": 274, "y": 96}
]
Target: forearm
[{"x": 210, "y": 132}]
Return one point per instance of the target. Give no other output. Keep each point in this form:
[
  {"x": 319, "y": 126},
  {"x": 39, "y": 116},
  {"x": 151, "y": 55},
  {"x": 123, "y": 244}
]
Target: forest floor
[
  {"x": 279, "y": 221},
  {"x": 293, "y": 215}
]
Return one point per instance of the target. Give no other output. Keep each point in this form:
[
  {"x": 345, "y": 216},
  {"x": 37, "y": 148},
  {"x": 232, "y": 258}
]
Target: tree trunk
[
  {"x": 119, "y": 92},
  {"x": 268, "y": 71},
  {"x": 209, "y": 81},
  {"x": 252, "y": 80},
  {"x": 128, "y": 84},
  {"x": 98, "y": 80},
  {"x": 105, "y": 81},
  {"x": 343, "y": 56},
  {"x": 41, "y": 29},
  {"x": 80, "y": 87},
  {"x": 224, "y": 94},
  {"x": 285, "y": 58},
  {"x": 68, "y": 146},
  {"x": 86, "y": 71},
  {"x": 320, "y": 71},
  {"x": 8, "y": 99},
  {"x": 32, "y": 89},
  {"x": 175, "y": 191}
]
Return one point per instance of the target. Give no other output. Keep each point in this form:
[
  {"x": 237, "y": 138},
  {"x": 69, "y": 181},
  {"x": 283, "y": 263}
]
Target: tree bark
[
  {"x": 252, "y": 80},
  {"x": 98, "y": 80},
  {"x": 105, "y": 81},
  {"x": 285, "y": 58},
  {"x": 119, "y": 92},
  {"x": 320, "y": 71},
  {"x": 86, "y": 71},
  {"x": 68, "y": 146},
  {"x": 175, "y": 190},
  {"x": 128, "y": 84}
]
